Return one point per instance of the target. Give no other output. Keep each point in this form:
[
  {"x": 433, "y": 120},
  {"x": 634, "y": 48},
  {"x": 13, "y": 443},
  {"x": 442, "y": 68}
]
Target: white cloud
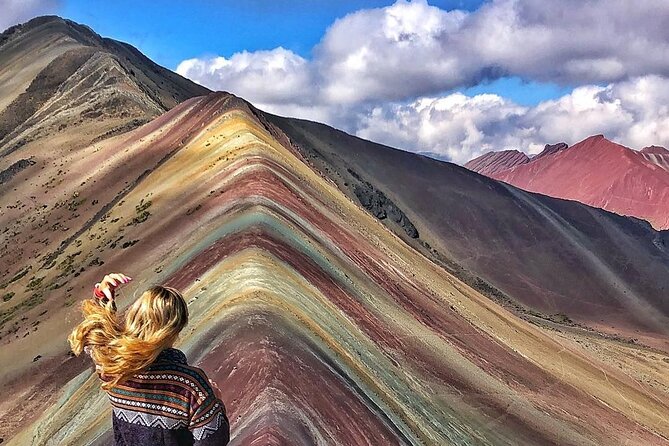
[
  {"x": 19, "y": 11},
  {"x": 452, "y": 125},
  {"x": 634, "y": 113},
  {"x": 570, "y": 40},
  {"x": 412, "y": 49},
  {"x": 265, "y": 77},
  {"x": 647, "y": 101},
  {"x": 389, "y": 53},
  {"x": 383, "y": 74}
]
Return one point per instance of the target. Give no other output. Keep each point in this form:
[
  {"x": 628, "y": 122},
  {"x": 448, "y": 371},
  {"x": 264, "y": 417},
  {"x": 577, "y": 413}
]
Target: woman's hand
[{"x": 108, "y": 285}]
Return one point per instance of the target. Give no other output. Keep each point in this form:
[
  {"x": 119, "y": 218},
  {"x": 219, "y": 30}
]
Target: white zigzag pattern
[
  {"x": 147, "y": 419},
  {"x": 212, "y": 426}
]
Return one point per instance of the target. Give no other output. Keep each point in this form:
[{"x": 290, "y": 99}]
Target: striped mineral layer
[{"x": 320, "y": 325}]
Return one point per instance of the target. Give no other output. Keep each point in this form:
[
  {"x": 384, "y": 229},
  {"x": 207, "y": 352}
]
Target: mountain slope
[
  {"x": 66, "y": 88},
  {"x": 493, "y": 162},
  {"x": 557, "y": 257},
  {"x": 323, "y": 272},
  {"x": 319, "y": 324},
  {"x": 61, "y": 80},
  {"x": 656, "y": 155},
  {"x": 603, "y": 174}
]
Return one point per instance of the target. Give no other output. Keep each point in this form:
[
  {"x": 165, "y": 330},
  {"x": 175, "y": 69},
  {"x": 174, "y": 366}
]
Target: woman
[{"x": 157, "y": 398}]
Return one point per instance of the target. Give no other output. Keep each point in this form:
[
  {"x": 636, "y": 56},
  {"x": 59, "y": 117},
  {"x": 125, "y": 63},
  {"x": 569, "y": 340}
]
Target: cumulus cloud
[
  {"x": 265, "y": 77},
  {"x": 450, "y": 126},
  {"x": 459, "y": 128},
  {"x": 390, "y": 53},
  {"x": 411, "y": 49},
  {"x": 385, "y": 73},
  {"x": 19, "y": 11}
]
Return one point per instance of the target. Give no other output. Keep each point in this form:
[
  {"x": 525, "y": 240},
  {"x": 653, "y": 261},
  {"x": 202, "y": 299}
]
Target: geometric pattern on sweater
[
  {"x": 147, "y": 419},
  {"x": 170, "y": 394},
  {"x": 211, "y": 426}
]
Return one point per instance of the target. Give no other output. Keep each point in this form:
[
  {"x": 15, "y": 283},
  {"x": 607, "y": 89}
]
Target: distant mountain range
[
  {"x": 340, "y": 291},
  {"x": 595, "y": 171}
]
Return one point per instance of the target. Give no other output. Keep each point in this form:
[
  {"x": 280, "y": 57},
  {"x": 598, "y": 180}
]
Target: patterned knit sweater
[{"x": 170, "y": 404}]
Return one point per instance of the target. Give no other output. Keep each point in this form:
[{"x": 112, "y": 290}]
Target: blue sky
[
  {"x": 520, "y": 91},
  {"x": 179, "y": 30}
]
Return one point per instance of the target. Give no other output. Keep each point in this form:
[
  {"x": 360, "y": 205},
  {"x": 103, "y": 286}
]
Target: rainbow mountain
[{"x": 340, "y": 292}]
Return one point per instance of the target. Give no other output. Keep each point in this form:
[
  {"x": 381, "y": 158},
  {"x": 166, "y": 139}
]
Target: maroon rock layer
[{"x": 603, "y": 174}]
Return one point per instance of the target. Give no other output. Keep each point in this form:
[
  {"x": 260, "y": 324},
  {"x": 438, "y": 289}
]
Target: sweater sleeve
[{"x": 209, "y": 422}]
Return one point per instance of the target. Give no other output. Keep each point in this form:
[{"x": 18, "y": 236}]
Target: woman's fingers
[
  {"x": 119, "y": 278},
  {"x": 116, "y": 279},
  {"x": 122, "y": 278},
  {"x": 108, "y": 280},
  {"x": 109, "y": 284}
]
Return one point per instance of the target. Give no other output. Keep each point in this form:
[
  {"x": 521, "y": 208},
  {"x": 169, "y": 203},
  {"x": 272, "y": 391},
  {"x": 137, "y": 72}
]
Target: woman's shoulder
[
  {"x": 172, "y": 388},
  {"x": 171, "y": 364}
]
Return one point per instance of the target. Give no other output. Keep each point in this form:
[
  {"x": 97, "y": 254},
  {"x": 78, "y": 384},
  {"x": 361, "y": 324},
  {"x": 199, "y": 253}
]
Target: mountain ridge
[
  {"x": 467, "y": 212},
  {"x": 299, "y": 297},
  {"x": 339, "y": 291},
  {"x": 493, "y": 162},
  {"x": 600, "y": 173}
]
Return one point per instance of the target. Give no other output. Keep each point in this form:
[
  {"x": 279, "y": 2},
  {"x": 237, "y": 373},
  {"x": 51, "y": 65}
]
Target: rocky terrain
[
  {"x": 554, "y": 259},
  {"x": 340, "y": 291},
  {"x": 64, "y": 88}
]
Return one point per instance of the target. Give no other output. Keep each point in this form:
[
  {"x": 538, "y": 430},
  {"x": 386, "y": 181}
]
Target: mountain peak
[
  {"x": 44, "y": 27},
  {"x": 599, "y": 140},
  {"x": 493, "y": 162},
  {"x": 601, "y": 173},
  {"x": 655, "y": 150},
  {"x": 599, "y": 145},
  {"x": 656, "y": 155},
  {"x": 64, "y": 75},
  {"x": 550, "y": 149}
]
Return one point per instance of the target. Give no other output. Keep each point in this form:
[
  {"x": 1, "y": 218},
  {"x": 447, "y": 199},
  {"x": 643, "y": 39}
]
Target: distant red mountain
[
  {"x": 493, "y": 162},
  {"x": 596, "y": 172},
  {"x": 657, "y": 155}
]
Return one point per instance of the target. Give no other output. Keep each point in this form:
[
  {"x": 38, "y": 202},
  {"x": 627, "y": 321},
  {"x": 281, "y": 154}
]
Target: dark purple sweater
[{"x": 170, "y": 404}]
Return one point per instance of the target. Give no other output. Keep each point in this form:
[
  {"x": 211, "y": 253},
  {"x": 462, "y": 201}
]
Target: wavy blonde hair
[{"x": 121, "y": 348}]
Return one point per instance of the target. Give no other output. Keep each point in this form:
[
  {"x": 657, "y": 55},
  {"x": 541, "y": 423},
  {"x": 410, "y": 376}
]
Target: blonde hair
[{"x": 122, "y": 348}]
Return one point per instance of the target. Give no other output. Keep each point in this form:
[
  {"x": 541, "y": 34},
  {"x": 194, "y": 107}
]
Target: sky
[{"x": 453, "y": 78}]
